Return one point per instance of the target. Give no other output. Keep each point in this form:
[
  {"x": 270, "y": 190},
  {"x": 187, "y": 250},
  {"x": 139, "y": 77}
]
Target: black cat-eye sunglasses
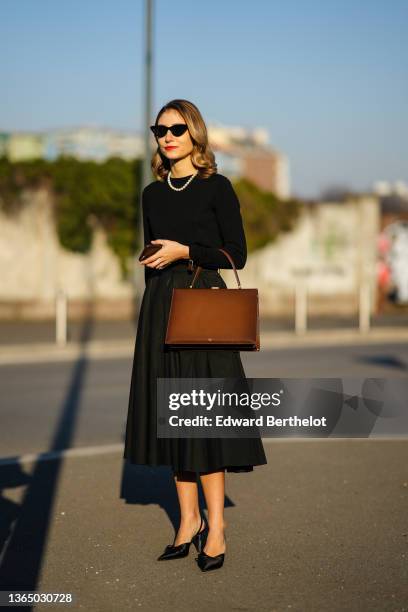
[{"x": 160, "y": 130}]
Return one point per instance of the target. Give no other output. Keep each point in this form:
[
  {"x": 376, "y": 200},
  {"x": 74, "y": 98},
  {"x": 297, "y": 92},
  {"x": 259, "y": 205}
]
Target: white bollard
[
  {"x": 300, "y": 308},
  {"x": 61, "y": 318},
  {"x": 364, "y": 307}
]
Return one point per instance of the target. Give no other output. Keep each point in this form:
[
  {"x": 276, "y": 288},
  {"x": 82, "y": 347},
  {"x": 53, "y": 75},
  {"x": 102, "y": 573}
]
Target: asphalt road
[{"x": 323, "y": 526}]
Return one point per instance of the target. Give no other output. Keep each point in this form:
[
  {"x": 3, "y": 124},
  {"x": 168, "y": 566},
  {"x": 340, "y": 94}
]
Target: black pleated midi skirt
[{"x": 152, "y": 359}]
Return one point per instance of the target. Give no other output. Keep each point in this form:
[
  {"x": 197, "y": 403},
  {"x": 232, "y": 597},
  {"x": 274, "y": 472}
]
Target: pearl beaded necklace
[{"x": 185, "y": 184}]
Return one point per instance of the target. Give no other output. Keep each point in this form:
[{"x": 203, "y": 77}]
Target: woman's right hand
[{"x": 170, "y": 251}]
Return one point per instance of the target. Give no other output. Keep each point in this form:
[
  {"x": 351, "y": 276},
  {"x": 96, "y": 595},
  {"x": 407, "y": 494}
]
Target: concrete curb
[{"x": 107, "y": 349}]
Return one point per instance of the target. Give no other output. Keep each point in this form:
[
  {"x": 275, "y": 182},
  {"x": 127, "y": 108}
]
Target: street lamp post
[{"x": 146, "y": 170}]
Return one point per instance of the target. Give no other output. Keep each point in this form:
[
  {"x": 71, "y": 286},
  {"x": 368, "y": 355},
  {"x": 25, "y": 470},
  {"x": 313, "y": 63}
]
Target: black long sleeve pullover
[{"x": 206, "y": 215}]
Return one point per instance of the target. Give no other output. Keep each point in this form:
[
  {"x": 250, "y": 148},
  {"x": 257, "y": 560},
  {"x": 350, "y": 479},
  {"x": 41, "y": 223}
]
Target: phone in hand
[{"x": 149, "y": 250}]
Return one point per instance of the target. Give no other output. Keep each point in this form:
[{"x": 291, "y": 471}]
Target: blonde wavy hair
[{"x": 202, "y": 156}]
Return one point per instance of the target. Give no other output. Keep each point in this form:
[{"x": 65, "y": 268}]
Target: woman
[{"x": 190, "y": 210}]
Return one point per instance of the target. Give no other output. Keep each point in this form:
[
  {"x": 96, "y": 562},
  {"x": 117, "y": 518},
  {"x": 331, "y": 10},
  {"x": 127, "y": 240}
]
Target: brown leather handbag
[{"x": 218, "y": 317}]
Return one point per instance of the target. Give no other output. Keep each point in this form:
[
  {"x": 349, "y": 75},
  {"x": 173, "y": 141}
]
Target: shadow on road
[
  {"x": 24, "y": 527},
  {"x": 385, "y": 361},
  {"x": 144, "y": 485}
]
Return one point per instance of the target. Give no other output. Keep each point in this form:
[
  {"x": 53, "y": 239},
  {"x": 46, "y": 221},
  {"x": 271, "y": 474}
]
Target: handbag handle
[{"x": 199, "y": 268}]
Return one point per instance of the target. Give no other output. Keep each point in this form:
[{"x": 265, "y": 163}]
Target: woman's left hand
[{"x": 170, "y": 251}]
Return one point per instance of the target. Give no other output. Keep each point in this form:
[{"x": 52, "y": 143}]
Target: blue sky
[{"x": 327, "y": 78}]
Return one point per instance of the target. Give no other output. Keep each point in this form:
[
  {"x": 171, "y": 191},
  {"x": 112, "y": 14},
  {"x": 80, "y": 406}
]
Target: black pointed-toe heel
[
  {"x": 182, "y": 550},
  {"x": 206, "y": 562},
  {"x": 199, "y": 539}
]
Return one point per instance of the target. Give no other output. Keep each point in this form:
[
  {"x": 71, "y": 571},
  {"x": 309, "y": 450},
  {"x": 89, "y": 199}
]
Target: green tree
[
  {"x": 264, "y": 215},
  {"x": 107, "y": 191}
]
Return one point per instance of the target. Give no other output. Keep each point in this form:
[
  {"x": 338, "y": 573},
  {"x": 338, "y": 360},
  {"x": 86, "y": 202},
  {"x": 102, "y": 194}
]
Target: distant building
[
  {"x": 268, "y": 170},
  {"x": 93, "y": 143},
  {"x": 82, "y": 142},
  {"x": 386, "y": 188},
  {"x": 229, "y": 164},
  {"x": 20, "y": 146},
  {"x": 245, "y": 153}
]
